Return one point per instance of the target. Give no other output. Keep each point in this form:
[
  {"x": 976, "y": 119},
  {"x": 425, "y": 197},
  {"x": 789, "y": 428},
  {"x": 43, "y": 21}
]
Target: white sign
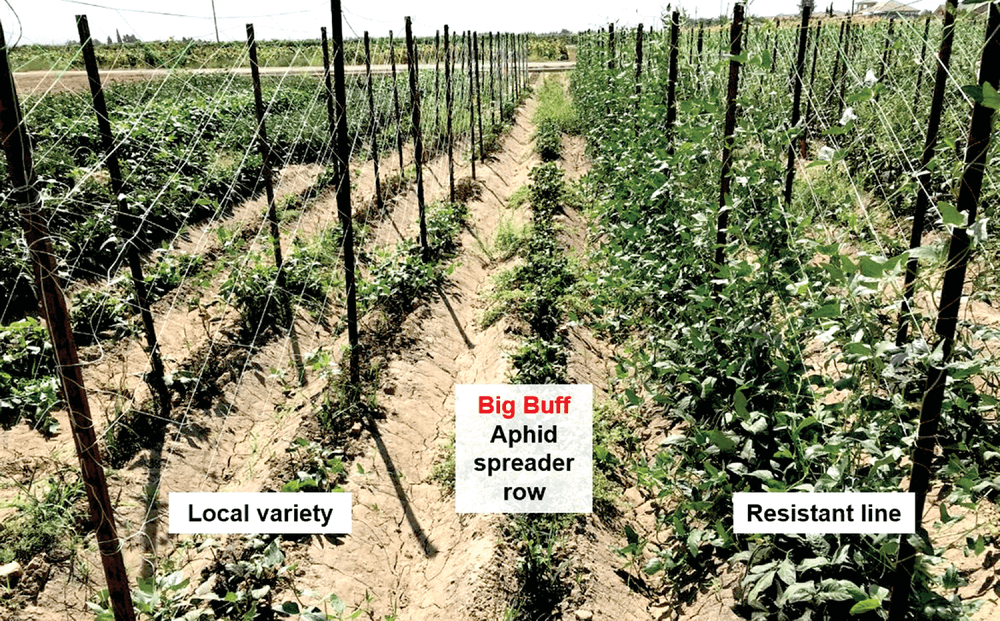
[
  {"x": 232, "y": 513},
  {"x": 874, "y": 513},
  {"x": 524, "y": 448}
]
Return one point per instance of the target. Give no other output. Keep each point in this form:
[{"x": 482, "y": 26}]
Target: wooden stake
[
  {"x": 479, "y": 97},
  {"x": 265, "y": 155},
  {"x": 472, "y": 114},
  {"x": 800, "y": 68},
  {"x": 735, "y": 49},
  {"x": 809, "y": 97},
  {"x": 380, "y": 205},
  {"x": 638, "y": 78},
  {"x": 128, "y": 225},
  {"x": 395, "y": 104},
  {"x": 418, "y": 143},
  {"x": 17, "y": 147},
  {"x": 447, "y": 105},
  {"x": 437, "y": 87},
  {"x": 330, "y": 117},
  {"x": 675, "y": 27},
  {"x": 886, "y": 55},
  {"x": 959, "y": 251},
  {"x": 920, "y": 66},
  {"x": 344, "y": 195},
  {"x": 924, "y": 177}
]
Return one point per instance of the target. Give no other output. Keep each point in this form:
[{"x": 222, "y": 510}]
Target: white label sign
[
  {"x": 231, "y": 513},
  {"x": 524, "y": 448},
  {"x": 873, "y": 513}
]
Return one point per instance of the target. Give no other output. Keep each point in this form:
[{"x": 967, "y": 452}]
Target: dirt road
[{"x": 40, "y": 82}]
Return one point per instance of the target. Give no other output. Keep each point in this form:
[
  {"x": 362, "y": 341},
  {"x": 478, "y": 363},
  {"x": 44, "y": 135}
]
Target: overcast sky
[{"x": 51, "y": 21}]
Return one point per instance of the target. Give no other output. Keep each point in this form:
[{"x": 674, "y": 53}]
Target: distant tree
[
  {"x": 117, "y": 34},
  {"x": 109, "y": 40}
]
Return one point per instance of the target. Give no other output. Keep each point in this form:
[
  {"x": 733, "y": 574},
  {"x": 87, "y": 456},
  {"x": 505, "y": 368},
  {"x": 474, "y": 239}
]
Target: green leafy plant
[{"x": 28, "y": 379}]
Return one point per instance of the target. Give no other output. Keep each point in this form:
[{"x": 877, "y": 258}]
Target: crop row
[{"x": 779, "y": 364}]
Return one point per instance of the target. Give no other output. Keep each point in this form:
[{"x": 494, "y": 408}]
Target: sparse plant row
[
  {"x": 537, "y": 293},
  {"x": 778, "y": 364},
  {"x": 187, "y": 150},
  {"x": 248, "y": 585},
  {"x": 185, "y": 158},
  {"x": 395, "y": 283}
]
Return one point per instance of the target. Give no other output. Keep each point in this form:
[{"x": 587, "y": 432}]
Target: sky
[{"x": 51, "y": 21}]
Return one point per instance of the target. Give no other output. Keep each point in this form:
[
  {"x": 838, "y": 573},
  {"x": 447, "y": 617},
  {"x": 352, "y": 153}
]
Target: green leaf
[
  {"x": 827, "y": 310},
  {"x": 722, "y": 441},
  {"x": 950, "y": 215},
  {"x": 870, "y": 268},
  {"x": 174, "y": 581},
  {"x": 800, "y": 592},
  {"x": 984, "y": 94},
  {"x": 631, "y": 536},
  {"x": 653, "y": 566},
  {"x": 261, "y": 592},
  {"x": 866, "y": 605},
  {"x": 273, "y": 556},
  {"x": 740, "y": 403},
  {"x": 763, "y": 583},
  {"x": 812, "y": 563},
  {"x": 337, "y": 603},
  {"x": 786, "y": 572}
]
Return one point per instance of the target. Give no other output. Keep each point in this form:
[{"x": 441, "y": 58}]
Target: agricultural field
[
  {"x": 192, "y": 54},
  {"x": 712, "y": 226}
]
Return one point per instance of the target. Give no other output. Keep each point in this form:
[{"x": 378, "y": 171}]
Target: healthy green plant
[
  {"x": 27, "y": 376},
  {"x": 98, "y": 314},
  {"x": 265, "y": 307},
  {"x": 317, "y": 469},
  {"x": 171, "y": 270},
  {"x": 730, "y": 352}
]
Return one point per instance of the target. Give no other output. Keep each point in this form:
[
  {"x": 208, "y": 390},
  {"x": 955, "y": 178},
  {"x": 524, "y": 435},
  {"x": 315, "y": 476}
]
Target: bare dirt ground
[{"x": 410, "y": 554}]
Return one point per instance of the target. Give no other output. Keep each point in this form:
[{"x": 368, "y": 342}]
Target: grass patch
[
  {"x": 45, "y": 522},
  {"x": 519, "y": 197},
  {"x": 554, "y": 116},
  {"x": 444, "y": 470}
]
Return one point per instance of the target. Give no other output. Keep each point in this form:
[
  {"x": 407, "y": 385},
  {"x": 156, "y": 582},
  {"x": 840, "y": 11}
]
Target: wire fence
[
  {"x": 766, "y": 311},
  {"x": 231, "y": 229}
]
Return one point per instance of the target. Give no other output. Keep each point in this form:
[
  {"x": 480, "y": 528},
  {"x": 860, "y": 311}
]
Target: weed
[
  {"x": 444, "y": 470},
  {"x": 45, "y": 524},
  {"x": 510, "y": 239},
  {"x": 519, "y": 197},
  {"x": 543, "y": 567}
]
